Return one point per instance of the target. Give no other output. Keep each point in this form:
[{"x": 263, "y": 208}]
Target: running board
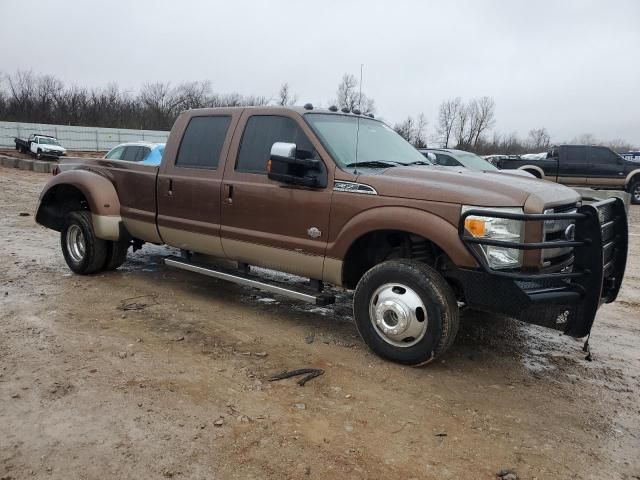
[{"x": 305, "y": 295}]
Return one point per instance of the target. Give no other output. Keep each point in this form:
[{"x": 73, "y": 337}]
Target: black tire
[
  {"x": 39, "y": 154},
  {"x": 634, "y": 191},
  {"x": 91, "y": 258},
  {"x": 442, "y": 315},
  {"x": 116, "y": 254}
]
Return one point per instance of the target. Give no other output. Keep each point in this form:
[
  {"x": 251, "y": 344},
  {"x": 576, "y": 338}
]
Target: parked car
[
  {"x": 342, "y": 199},
  {"x": 450, "y": 157},
  {"x": 583, "y": 165},
  {"x": 40, "y": 146},
  {"x": 145, "y": 153},
  {"x": 633, "y": 156}
]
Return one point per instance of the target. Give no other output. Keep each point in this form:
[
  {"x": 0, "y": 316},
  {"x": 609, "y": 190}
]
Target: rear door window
[
  {"x": 202, "y": 142},
  {"x": 577, "y": 154},
  {"x": 261, "y": 132}
]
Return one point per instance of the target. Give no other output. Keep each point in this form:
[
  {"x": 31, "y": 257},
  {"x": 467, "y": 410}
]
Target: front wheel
[
  {"x": 83, "y": 251},
  {"x": 406, "y": 312},
  {"x": 634, "y": 190},
  {"x": 39, "y": 154}
]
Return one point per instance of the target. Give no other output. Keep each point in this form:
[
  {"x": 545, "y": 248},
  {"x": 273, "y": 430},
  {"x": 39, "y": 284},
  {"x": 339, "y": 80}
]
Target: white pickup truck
[{"x": 40, "y": 146}]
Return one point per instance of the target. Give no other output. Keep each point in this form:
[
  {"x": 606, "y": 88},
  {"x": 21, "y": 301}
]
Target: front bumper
[
  {"x": 566, "y": 300},
  {"x": 52, "y": 154}
]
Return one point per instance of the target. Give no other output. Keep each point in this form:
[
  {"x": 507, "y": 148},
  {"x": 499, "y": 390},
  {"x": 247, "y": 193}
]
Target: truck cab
[{"x": 341, "y": 199}]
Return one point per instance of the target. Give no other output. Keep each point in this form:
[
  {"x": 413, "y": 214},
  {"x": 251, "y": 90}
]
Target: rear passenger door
[
  {"x": 267, "y": 223},
  {"x": 574, "y": 166},
  {"x": 190, "y": 178}
]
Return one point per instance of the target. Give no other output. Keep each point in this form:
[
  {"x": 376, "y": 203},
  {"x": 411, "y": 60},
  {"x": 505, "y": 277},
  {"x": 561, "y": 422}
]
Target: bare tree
[
  {"x": 447, "y": 116},
  {"x": 461, "y": 127},
  {"x": 285, "y": 97},
  {"x": 192, "y": 95},
  {"x": 420, "y": 133},
  {"x": 405, "y": 128},
  {"x": 585, "y": 139},
  {"x": 481, "y": 118},
  {"x": 619, "y": 145},
  {"x": 413, "y": 131},
  {"x": 349, "y": 96},
  {"x": 539, "y": 139}
]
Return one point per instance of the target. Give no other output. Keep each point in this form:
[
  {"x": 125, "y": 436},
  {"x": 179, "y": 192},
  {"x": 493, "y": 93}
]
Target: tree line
[
  {"x": 29, "y": 97},
  {"x": 468, "y": 126}
]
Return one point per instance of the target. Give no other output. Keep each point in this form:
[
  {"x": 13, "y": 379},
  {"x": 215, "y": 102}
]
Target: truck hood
[
  {"x": 56, "y": 148},
  {"x": 469, "y": 187}
]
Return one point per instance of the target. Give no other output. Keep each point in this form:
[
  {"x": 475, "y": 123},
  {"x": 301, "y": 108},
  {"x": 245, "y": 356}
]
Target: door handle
[
  {"x": 228, "y": 194},
  {"x": 170, "y": 191}
]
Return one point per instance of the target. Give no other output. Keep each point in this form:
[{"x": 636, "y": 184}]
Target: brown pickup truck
[{"x": 340, "y": 198}]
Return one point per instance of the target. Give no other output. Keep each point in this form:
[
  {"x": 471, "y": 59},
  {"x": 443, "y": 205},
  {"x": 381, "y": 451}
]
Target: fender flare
[
  {"x": 630, "y": 176},
  {"x": 406, "y": 219},
  {"x": 533, "y": 167},
  {"x": 99, "y": 193}
]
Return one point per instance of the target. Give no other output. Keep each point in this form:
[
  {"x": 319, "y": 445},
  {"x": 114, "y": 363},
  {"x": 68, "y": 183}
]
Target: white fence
[{"x": 78, "y": 138}]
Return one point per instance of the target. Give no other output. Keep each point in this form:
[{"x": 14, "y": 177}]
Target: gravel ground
[{"x": 149, "y": 372}]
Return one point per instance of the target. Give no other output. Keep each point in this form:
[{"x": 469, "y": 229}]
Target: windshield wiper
[
  {"x": 374, "y": 164},
  {"x": 419, "y": 162}
]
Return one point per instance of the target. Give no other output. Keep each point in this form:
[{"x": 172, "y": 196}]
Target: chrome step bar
[{"x": 247, "y": 280}]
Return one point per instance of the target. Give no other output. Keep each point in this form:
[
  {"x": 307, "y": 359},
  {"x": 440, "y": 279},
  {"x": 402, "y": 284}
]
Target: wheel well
[
  {"x": 634, "y": 178},
  {"x": 533, "y": 172},
  {"x": 57, "y": 202},
  {"x": 375, "y": 247}
]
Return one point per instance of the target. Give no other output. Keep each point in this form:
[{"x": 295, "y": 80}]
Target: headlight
[{"x": 493, "y": 228}]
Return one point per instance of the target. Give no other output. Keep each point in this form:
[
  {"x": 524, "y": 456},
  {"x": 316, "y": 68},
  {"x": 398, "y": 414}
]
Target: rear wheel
[
  {"x": 116, "y": 254},
  {"x": 634, "y": 190},
  {"x": 406, "y": 312},
  {"x": 82, "y": 250}
]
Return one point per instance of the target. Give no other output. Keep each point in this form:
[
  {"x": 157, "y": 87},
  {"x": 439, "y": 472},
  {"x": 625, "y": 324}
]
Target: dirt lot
[{"x": 125, "y": 375}]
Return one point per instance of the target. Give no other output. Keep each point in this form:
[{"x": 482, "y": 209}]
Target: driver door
[{"x": 264, "y": 222}]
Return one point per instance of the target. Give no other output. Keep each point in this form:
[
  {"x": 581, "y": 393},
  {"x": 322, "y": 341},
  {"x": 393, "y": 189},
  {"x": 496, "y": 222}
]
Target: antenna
[
  {"x": 355, "y": 170},
  {"x": 360, "y": 94}
]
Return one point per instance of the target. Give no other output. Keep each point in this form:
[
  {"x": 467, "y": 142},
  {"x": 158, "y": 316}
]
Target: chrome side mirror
[{"x": 283, "y": 149}]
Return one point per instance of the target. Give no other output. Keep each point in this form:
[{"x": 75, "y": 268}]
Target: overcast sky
[{"x": 570, "y": 66}]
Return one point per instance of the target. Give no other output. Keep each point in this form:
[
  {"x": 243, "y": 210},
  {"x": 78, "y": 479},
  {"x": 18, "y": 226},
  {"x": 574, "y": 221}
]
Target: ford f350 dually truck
[{"x": 341, "y": 199}]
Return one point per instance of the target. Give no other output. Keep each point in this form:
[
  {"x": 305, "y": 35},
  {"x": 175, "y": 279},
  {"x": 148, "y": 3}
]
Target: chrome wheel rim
[
  {"x": 636, "y": 193},
  {"x": 398, "y": 315},
  {"x": 76, "y": 245}
]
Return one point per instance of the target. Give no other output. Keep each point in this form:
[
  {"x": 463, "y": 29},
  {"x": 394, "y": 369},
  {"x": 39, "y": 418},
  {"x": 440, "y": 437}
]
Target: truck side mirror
[{"x": 288, "y": 165}]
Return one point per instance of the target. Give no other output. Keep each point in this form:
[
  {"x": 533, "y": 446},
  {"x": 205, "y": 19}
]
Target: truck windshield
[
  {"x": 351, "y": 139},
  {"x": 47, "y": 141}
]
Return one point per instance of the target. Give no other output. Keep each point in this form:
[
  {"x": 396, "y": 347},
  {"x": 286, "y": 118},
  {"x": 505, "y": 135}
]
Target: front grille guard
[{"x": 600, "y": 255}]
